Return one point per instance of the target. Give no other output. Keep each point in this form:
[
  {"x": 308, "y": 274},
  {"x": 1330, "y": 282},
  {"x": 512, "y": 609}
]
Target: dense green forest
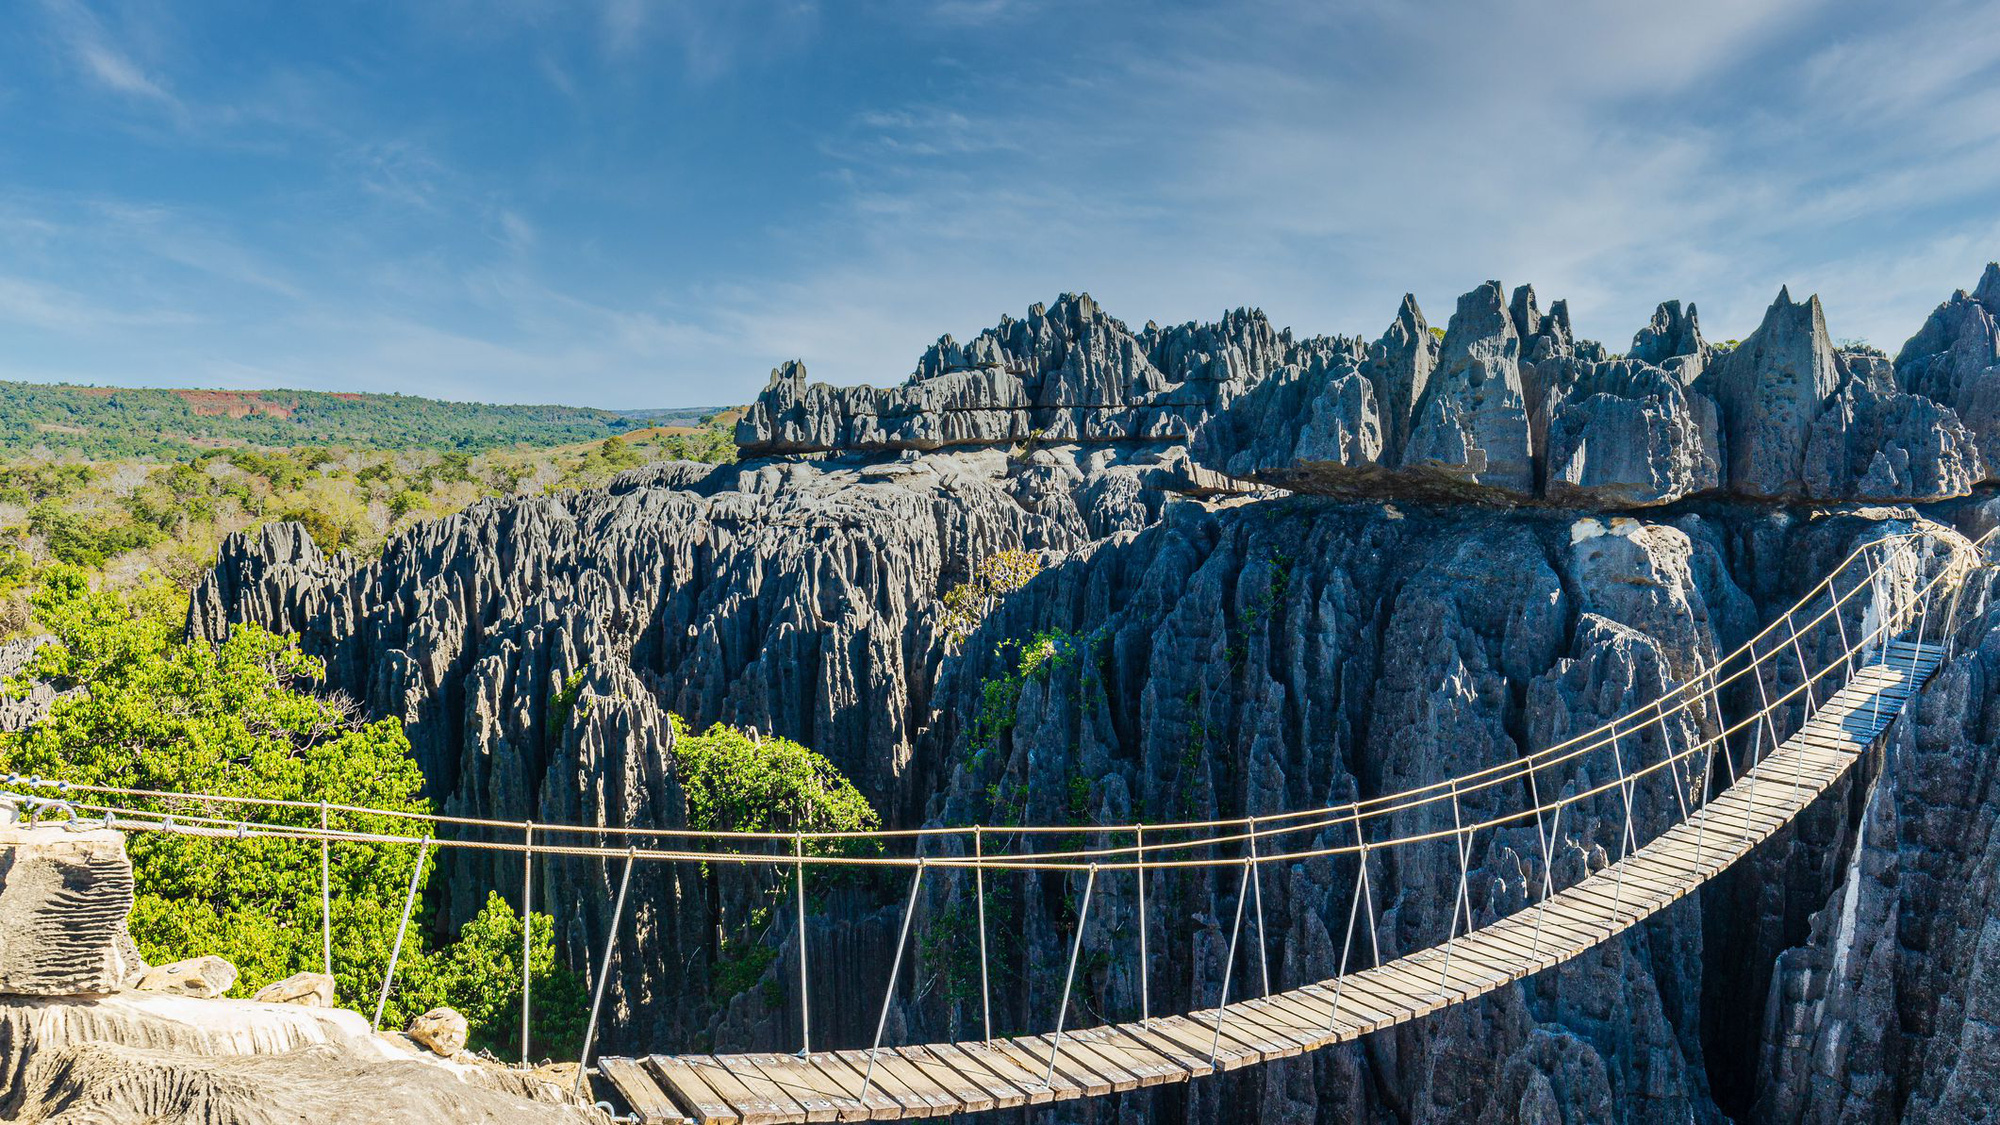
[
  {"x": 109, "y": 422},
  {"x": 126, "y": 519}
]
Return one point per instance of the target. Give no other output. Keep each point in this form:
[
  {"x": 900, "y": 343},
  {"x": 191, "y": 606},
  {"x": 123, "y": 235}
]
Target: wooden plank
[
  {"x": 1097, "y": 1063},
  {"x": 1252, "y": 1025},
  {"x": 999, "y": 1093},
  {"x": 793, "y": 1078},
  {"x": 1071, "y": 1079},
  {"x": 917, "y": 1094},
  {"x": 1450, "y": 978},
  {"x": 1194, "y": 1038},
  {"x": 696, "y": 1098},
  {"x": 1369, "y": 993},
  {"x": 1358, "y": 1014},
  {"x": 970, "y": 1096},
  {"x": 843, "y": 1085},
  {"x": 1306, "y": 1012},
  {"x": 1400, "y": 977},
  {"x": 1150, "y": 1068},
  {"x": 757, "y": 1100},
  {"x": 1195, "y": 1065},
  {"x": 1006, "y": 1067},
  {"x": 1496, "y": 963},
  {"x": 640, "y": 1092}
]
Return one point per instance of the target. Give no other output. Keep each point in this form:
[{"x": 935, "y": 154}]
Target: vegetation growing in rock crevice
[
  {"x": 739, "y": 781},
  {"x": 968, "y": 603},
  {"x": 145, "y": 709}
]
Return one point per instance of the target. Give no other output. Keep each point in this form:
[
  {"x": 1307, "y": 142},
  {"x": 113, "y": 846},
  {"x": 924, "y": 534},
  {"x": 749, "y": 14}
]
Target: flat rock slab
[
  {"x": 143, "y": 1056},
  {"x": 63, "y": 900}
]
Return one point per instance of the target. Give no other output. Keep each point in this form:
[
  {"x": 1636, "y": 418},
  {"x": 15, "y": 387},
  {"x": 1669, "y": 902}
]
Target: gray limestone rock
[
  {"x": 1672, "y": 339},
  {"x": 1399, "y": 367},
  {"x": 63, "y": 900},
  {"x": 1771, "y": 388},
  {"x": 1955, "y": 360},
  {"x": 1629, "y": 435},
  {"x": 1882, "y": 1013},
  {"x": 1471, "y": 423},
  {"x": 1879, "y": 446}
]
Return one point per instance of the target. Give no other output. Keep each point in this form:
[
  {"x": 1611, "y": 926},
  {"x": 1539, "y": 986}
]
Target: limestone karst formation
[{"x": 1286, "y": 569}]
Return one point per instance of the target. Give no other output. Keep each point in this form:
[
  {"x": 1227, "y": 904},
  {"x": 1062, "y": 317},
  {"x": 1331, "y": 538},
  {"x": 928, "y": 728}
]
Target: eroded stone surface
[
  {"x": 63, "y": 900},
  {"x": 142, "y": 1056}
]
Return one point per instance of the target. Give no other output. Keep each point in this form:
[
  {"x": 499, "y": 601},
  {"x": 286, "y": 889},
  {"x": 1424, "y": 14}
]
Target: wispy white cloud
[{"x": 91, "y": 48}]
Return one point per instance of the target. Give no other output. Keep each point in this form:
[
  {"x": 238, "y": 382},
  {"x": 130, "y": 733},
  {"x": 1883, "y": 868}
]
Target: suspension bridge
[{"x": 1685, "y": 791}]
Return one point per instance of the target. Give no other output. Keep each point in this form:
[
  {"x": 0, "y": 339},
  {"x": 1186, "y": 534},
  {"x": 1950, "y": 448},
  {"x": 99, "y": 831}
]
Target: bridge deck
[{"x": 944, "y": 1078}]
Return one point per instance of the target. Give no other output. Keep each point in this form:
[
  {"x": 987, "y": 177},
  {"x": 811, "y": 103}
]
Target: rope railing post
[
  {"x": 1917, "y": 644},
  {"x": 1750, "y": 775},
  {"x": 1346, "y": 944},
  {"x": 1673, "y": 759},
  {"x": 1451, "y": 931},
  {"x": 527, "y": 926},
  {"x": 895, "y": 970},
  {"x": 604, "y": 969},
  {"x": 402, "y": 927},
  {"x": 1368, "y": 895},
  {"x": 1626, "y": 840},
  {"x": 1805, "y": 674},
  {"x": 1548, "y": 875},
  {"x": 1846, "y": 651},
  {"x": 979, "y": 892},
  {"x": 1229, "y": 963},
  {"x": 1707, "y": 781},
  {"x": 1145, "y": 999},
  {"x": 1875, "y": 588},
  {"x": 1069, "y": 978},
  {"x": 805, "y": 986},
  {"x": 1257, "y": 894},
  {"x": 325, "y": 895}
]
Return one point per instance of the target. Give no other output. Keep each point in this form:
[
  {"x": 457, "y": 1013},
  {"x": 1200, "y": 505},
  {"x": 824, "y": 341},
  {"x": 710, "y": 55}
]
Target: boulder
[
  {"x": 203, "y": 977},
  {"x": 64, "y": 896},
  {"x": 308, "y": 990},
  {"x": 442, "y": 1030}
]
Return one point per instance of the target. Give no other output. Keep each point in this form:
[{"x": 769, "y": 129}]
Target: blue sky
[{"x": 629, "y": 203}]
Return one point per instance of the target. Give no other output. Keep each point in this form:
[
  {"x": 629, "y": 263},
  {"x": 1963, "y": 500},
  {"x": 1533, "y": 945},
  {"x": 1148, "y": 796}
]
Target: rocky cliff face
[
  {"x": 1213, "y": 659},
  {"x": 1509, "y": 407}
]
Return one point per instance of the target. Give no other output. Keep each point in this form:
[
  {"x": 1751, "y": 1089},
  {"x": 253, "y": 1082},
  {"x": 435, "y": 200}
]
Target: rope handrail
[
  {"x": 123, "y": 817},
  {"x": 1107, "y": 858},
  {"x": 1370, "y": 808}
]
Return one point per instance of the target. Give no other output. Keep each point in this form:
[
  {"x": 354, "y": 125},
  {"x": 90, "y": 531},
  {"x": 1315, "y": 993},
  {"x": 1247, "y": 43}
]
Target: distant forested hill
[{"x": 102, "y": 422}]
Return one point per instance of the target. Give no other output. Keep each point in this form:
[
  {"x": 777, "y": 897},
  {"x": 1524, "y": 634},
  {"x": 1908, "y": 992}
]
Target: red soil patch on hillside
[
  {"x": 233, "y": 404},
  {"x": 215, "y": 404}
]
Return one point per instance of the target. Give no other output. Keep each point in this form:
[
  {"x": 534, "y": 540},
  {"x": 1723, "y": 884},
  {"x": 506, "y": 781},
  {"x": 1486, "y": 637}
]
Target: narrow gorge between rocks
[{"x": 1278, "y": 572}]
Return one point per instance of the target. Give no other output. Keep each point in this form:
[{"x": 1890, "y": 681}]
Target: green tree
[
  {"x": 738, "y": 782},
  {"x": 146, "y": 709}
]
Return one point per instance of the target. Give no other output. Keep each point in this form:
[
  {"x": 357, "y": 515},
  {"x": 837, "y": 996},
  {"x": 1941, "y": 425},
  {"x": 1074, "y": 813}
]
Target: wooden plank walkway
[{"x": 939, "y": 1079}]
